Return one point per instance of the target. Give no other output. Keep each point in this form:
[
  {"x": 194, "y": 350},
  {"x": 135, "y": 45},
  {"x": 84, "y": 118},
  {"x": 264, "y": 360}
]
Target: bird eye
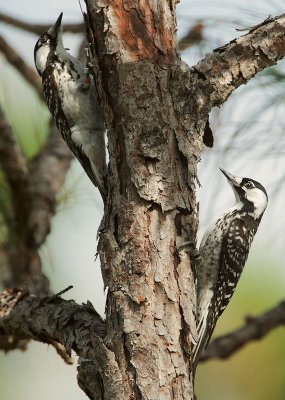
[{"x": 249, "y": 185}]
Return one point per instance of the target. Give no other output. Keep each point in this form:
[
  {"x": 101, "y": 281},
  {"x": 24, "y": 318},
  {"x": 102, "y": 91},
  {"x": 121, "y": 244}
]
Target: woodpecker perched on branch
[
  {"x": 72, "y": 99},
  {"x": 223, "y": 253}
]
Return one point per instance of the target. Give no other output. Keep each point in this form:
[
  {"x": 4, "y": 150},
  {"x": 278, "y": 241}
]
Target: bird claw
[
  {"x": 85, "y": 85},
  {"x": 189, "y": 247}
]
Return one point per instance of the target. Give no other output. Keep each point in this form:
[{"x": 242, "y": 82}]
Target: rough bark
[
  {"x": 152, "y": 207},
  {"x": 237, "y": 62},
  {"x": 49, "y": 319}
]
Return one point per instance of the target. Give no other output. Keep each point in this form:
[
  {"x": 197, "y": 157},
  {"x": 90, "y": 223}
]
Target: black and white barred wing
[
  {"x": 235, "y": 249},
  {"x": 234, "y": 252},
  {"x": 54, "y": 104}
]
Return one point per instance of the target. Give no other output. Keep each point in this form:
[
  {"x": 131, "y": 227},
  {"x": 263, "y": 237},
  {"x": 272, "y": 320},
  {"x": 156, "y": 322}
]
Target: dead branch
[
  {"x": 49, "y": 318},
  {"x": 234, "y": 64},
  {"x": 38, "y": 28},
  {"x": 17, "y": 61},
  {"x": 54, "y": 320},
  {"x": 33, "y": 202},
  {"x": 14, "y": 165},
  {"x": 254, "y": 329},
  {"x": 23, "y": 263},
  {"x": 47, "y": 177}
]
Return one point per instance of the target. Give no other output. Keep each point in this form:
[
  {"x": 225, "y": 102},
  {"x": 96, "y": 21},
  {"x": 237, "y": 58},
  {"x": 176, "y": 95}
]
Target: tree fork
[{"x": 154, "y": 144}]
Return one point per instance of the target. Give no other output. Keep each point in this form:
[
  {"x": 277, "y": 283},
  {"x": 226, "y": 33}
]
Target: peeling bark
[
  {"x": 152, "y": 207},
  {"x": 237, "y": 62},
  {"x": 59, "y": 322}
]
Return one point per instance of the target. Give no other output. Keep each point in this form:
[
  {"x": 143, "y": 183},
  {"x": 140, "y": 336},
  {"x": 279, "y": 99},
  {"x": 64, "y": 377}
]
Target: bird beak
[
  {"x": 53, "y": 31},
  {"x": 234, "y": 180}
]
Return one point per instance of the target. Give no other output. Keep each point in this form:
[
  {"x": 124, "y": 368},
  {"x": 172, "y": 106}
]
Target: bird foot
[{"x": 189, "y": 247}]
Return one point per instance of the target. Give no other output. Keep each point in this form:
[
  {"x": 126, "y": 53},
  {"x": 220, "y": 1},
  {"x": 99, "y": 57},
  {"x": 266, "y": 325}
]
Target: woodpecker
[
  {"x": 72, "y": 99},
  {"x": 222, "y": 255}
]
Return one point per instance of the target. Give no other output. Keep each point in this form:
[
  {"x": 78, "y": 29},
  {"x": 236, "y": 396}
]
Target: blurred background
[{"x": 249, "y": 141}]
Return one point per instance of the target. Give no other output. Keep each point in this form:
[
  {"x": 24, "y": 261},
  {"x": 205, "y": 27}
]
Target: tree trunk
[{"x": 154, "y": 145}]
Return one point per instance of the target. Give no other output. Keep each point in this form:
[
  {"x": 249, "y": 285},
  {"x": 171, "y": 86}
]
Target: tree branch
[
  {"x": 33, "y": 201},
  {"x": 17, "y": 61},
  {"x": 15, "y": 168},
  {"x": 49, "y": 318},
  {"x": 54, "y": 320},
  {"x": 254, "y": 329},
  {"x": 38, "y": 28},
  {"x": 23, "y": 264},
  {"x": 47, "y": 177},
  {"x": 237, "y": 62}
]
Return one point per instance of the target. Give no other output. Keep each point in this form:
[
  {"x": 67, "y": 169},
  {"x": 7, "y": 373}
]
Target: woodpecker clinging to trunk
[
  {"x": 72, "y": 99},
  {"x": 223, "y": 253}
]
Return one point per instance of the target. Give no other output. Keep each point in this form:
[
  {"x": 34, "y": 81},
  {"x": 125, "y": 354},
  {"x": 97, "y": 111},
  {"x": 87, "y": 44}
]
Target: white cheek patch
[
  {"x": 42, "y": 57},
  {"x": 258, "y": 198}
]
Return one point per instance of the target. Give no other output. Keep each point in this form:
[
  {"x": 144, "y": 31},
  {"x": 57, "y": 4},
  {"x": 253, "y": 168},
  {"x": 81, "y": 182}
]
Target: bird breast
[{"x": 77, "y": 104}]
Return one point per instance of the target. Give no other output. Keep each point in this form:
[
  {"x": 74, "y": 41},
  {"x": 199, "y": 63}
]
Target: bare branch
[
  {"x": 237, "y": 62},
  {"x": 255, "y": 329},
  {"x": 17, "y": 61},
  {"x": 33, "y": 201},
  {"x": 25, "y": 268},
  {"x": 47, "y": 177},
  {"x": 252, "y": 28},
  {"x": 79, "y": 328},
  {"x": 38, "y": 28},
  {"x": 15, "y": 168},
  {"x": 50, "y": 318}
]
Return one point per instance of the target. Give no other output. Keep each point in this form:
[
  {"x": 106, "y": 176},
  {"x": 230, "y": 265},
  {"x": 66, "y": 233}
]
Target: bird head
[
  {"x": 48, "y": 45},
  {"x": 250, "y": 195}
]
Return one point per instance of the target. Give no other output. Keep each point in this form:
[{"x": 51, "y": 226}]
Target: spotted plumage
[
  {"x": 73, "y": 103},
  {"x": 222, "y": 255}
]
